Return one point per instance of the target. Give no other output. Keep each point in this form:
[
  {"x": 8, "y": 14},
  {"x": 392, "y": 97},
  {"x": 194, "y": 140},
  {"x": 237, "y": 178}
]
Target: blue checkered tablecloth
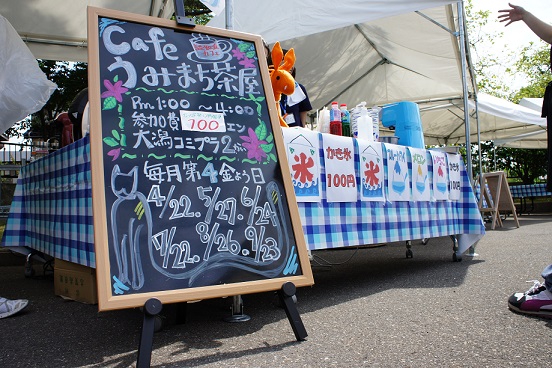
[
  {"x": 52, "y": 213},
  {"x": 332, "y": 225},
  {"x": 529, "y": 190}
]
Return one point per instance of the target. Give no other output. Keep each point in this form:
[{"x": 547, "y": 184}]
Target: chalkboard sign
[{"x": 192, "y": 196}]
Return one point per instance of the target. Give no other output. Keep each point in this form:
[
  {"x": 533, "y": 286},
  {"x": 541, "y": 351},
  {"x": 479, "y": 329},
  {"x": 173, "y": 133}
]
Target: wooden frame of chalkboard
[{"x": 192, "y": 198}]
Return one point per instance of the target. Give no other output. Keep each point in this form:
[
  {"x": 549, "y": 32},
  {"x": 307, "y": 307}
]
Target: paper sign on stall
[
  {"x": 420, "y": 178},
  {"x": 455, "y": 186},
  {"x": 339, "y": 163},
  {"x": 398, "y": 179},
  {"x": 304, "y": 163},
  {"x": 371, "y": 171},
  {"x": 440, "y": 175}
]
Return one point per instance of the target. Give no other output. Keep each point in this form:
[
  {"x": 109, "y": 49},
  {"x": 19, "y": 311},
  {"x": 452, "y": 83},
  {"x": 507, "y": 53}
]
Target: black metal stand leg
[
  {"x": 181, "y": 313},
  {"x": 152, "y": 307},
  {"x": 286, "y": 296}
]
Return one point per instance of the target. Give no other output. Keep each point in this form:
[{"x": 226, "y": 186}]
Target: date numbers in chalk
[{"x": 201, "y": 121}]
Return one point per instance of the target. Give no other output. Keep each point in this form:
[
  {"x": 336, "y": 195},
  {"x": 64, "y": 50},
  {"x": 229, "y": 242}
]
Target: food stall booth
[
  {"x": 52, "y": 207},
  {"x": 349, "y": 192}
]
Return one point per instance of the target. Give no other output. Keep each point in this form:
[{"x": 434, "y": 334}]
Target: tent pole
[
  {"x": 475, "y": 99},
  {"x": 465, "y": 89},
  {"x": 229, "y": 12}
]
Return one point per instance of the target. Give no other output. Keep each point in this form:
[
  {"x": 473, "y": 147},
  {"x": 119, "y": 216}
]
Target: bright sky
[
  {"x": 517, "y": 35},
  {"x": 518, "y": 31}
]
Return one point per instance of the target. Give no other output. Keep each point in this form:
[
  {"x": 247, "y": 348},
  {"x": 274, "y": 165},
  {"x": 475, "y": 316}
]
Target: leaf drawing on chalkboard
[
  {"x": 261, "y": 131},
  {"x": 253, "y": 145},
  {"x": 267, "y": 147},
  {"x": 117, "y": 141},
  {"x": 109, "y": 103},
  {"x": 245, "y": 53},
  {"x": 104, "y": 22},
  {"x": 257, "y": 101},
  {"x": 110, "y": 141}
]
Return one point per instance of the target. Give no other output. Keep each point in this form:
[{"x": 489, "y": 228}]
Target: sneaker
[
  {"x": 536, "y": 288},
  {"x": 537, "y": 301},
  {"x": 10, "y": 307}
]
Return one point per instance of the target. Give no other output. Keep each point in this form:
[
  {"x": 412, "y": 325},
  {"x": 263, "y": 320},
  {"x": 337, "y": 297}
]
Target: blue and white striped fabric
[
  {"x": 51, "y": 210},
  {"x": 332, "y": 225},
  {"x": 529, "y": 190}
]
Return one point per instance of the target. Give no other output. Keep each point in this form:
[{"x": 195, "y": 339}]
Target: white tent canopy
[
  {"x": 532, "y": 103},
  {"x": 287, "y": 19},
  {"x": 499, "y": 121},
  {"x": 382, "y": 52},
  {"x": 534, "y": 139},
  {"x": 56, "y": 29},
  {"x": 353, "y": 51},
  {"x": 378, "y": 51},
  {"x": 374, "y": 51}
]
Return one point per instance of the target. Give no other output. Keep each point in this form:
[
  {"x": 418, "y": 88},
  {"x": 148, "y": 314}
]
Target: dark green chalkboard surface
[{"x": 191, "y": 194}]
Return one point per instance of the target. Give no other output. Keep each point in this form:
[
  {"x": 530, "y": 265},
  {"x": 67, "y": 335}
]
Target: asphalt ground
[{"x": 369, "y": 307}]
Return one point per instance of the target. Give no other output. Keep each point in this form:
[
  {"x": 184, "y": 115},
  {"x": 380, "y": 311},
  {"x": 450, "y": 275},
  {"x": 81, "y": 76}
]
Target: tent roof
[
  {"x": 56, "y": 29},
  {"x": 356, "y": 52},
  {"x": 536, "y": 139},
  {"x": 383, "y": 53},
  {"x": 499, "y": 121},
  {"x": 378, "y": 51},
  {"x": 287, "y": 19}
]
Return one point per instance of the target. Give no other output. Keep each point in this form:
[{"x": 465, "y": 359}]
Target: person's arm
[
  {"x": 303, "y": 115},
  {"x": 304, "y": 106},
  {"x": 540, "y": 28}
]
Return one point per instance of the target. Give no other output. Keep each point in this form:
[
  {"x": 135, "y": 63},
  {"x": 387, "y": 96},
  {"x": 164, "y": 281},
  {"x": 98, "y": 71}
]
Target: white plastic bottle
[
  {"x": 364, "y": 123},
  {"x": 324, "y": 120}
]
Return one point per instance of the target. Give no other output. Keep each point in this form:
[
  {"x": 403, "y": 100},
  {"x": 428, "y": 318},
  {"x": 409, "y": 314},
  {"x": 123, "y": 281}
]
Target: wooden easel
[{"x": 495, "y": 191}]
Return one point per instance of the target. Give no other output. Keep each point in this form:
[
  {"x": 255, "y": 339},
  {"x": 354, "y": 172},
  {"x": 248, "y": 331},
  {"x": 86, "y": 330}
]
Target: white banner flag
[{"x": 216, "y": 6}]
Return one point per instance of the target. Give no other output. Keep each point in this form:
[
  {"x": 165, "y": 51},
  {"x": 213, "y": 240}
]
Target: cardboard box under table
[{"x": 76, "y": 282}]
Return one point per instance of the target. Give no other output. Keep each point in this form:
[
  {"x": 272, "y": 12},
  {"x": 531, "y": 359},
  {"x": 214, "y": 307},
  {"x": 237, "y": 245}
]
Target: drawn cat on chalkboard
[{"x": 131, "y": 226}]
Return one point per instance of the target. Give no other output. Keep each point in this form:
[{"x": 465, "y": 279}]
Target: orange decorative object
[{"x": 280, "y": 77}]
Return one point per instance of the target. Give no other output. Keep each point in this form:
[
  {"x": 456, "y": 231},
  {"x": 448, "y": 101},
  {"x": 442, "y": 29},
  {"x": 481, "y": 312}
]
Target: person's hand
[{"x": 511, "y": 15}]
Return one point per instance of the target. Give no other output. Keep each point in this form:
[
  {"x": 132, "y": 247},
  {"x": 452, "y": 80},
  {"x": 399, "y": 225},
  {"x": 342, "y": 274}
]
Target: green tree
[
  {"x": 534, "y": 64},
  {"x": 487, "y": 67},
  {"x": 198, "y": 11},
  {"x": 525, "y": 164},
  {"x": 492, "y": 74}
]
